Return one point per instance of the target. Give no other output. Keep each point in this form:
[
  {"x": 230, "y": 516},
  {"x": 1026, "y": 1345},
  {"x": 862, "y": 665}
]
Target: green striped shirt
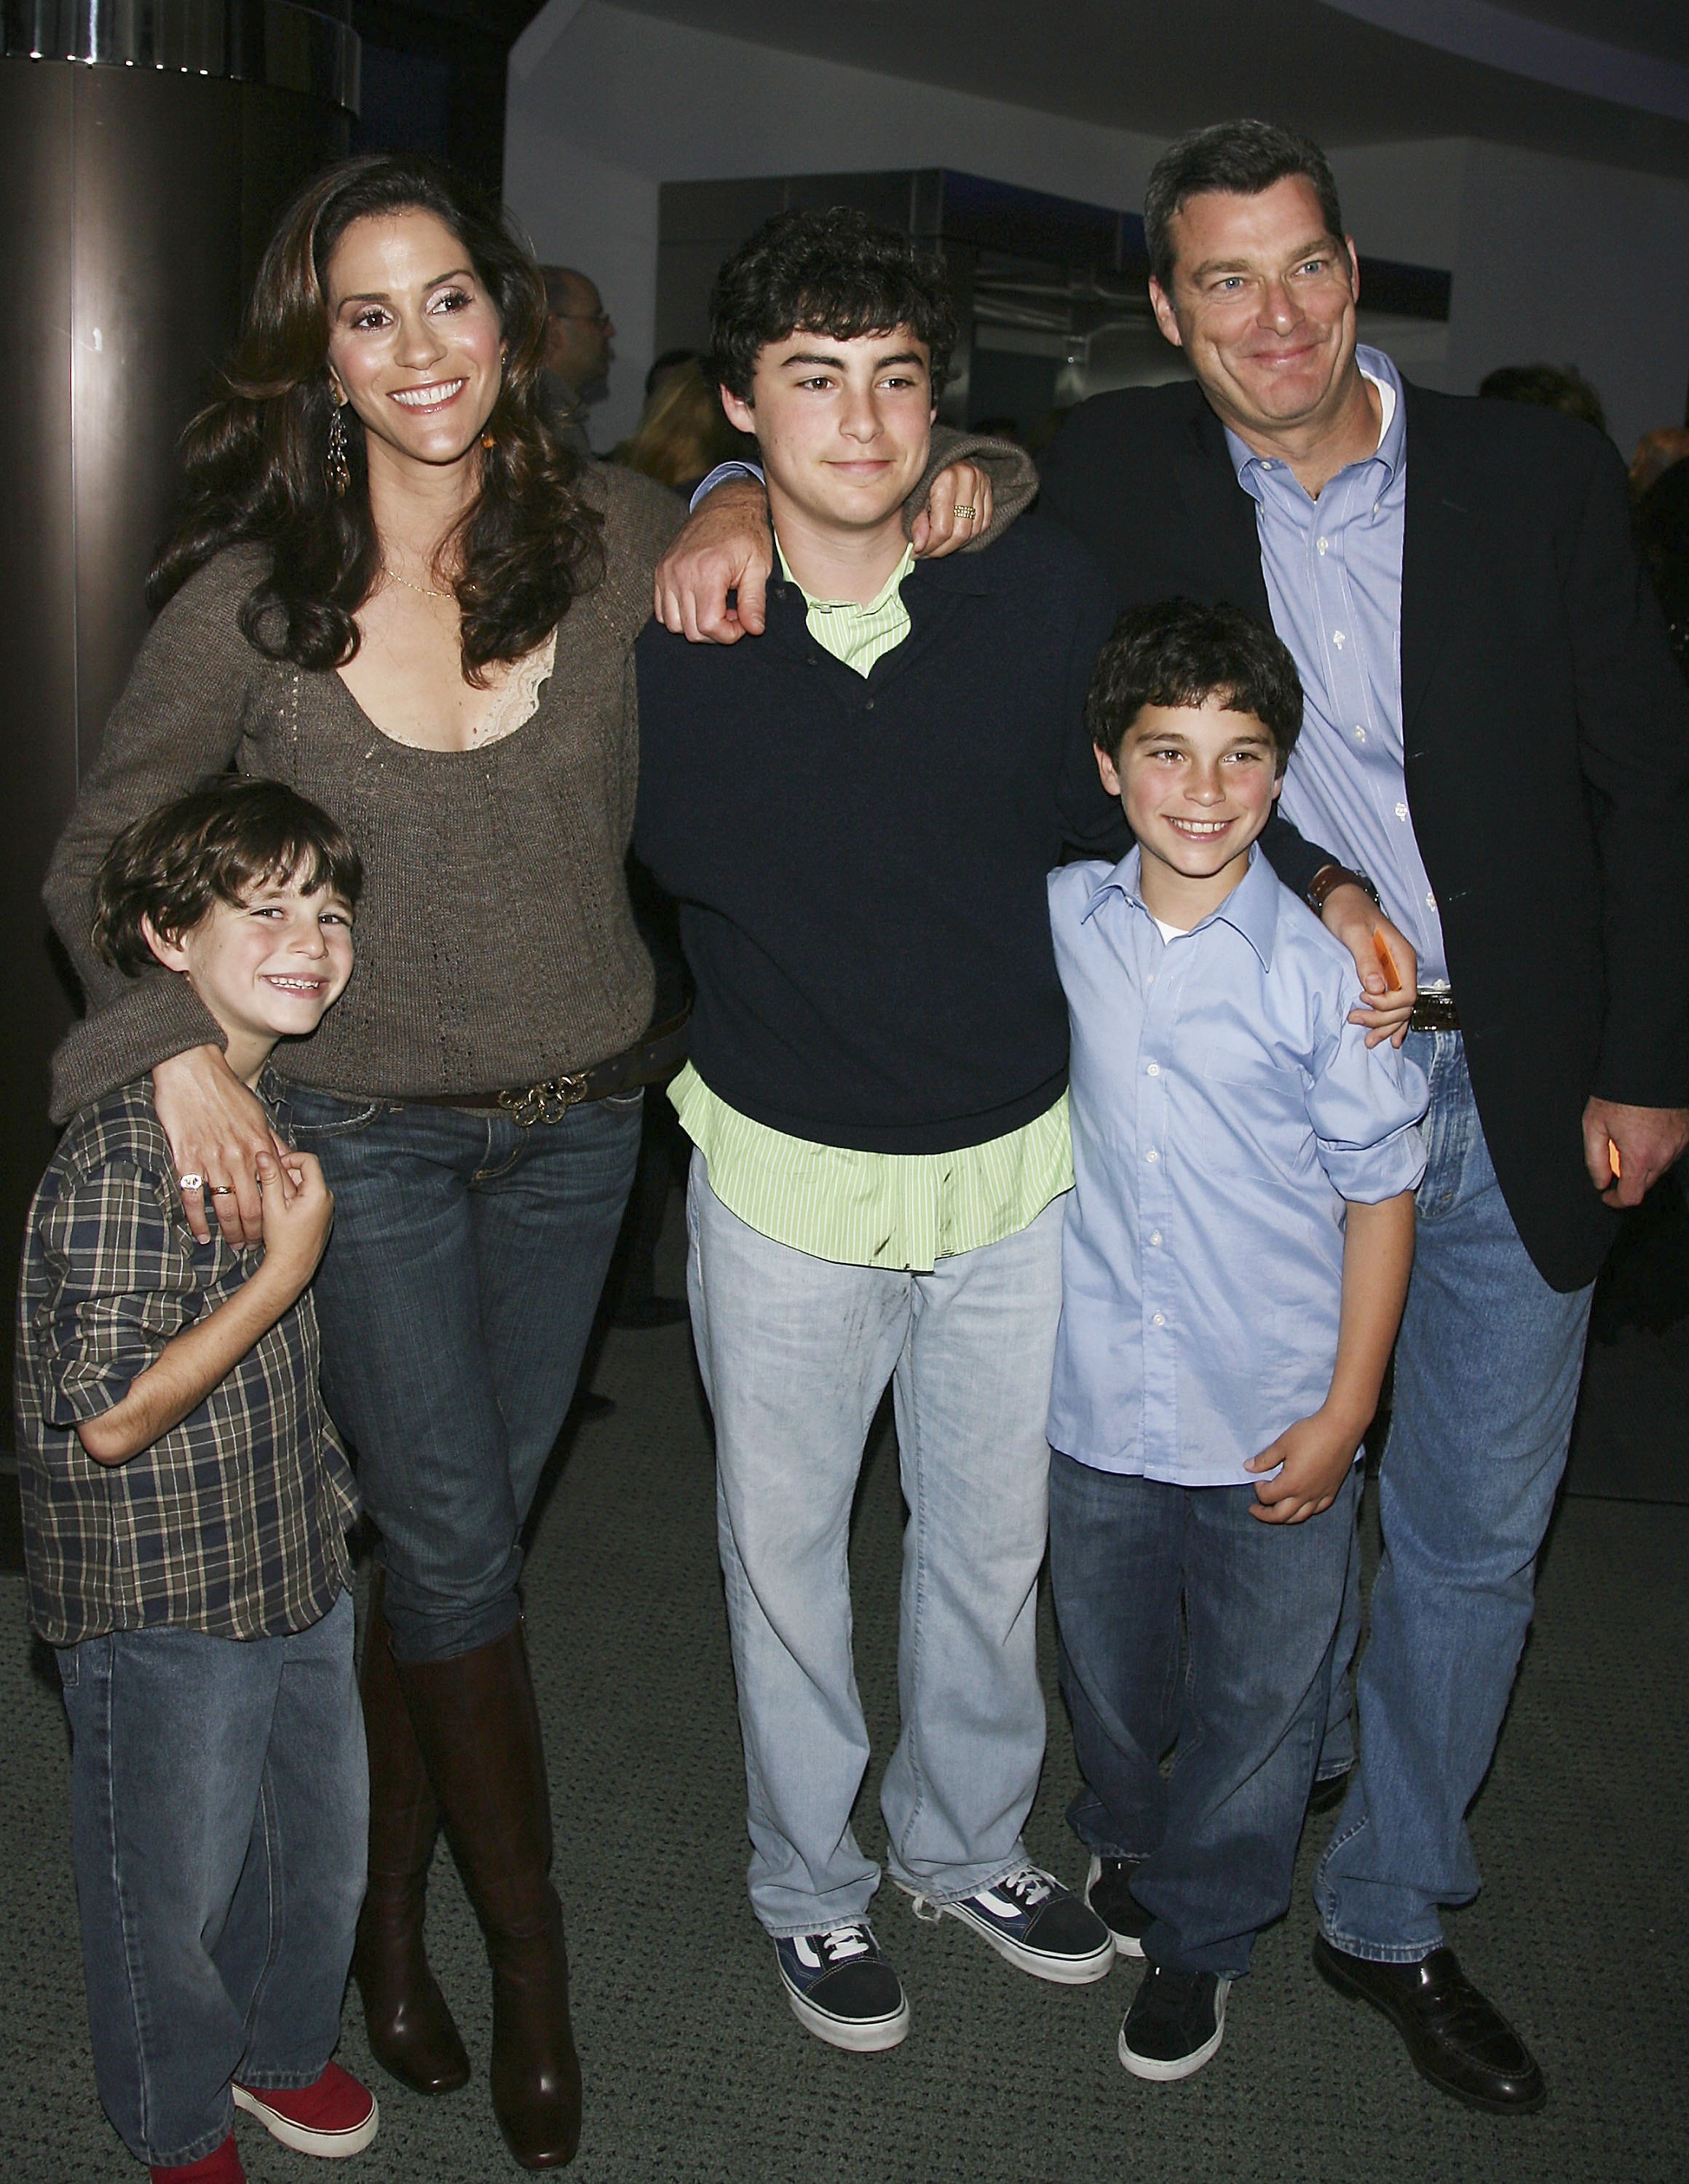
[
  {"x": 895, "y": 1210},
  {"x": 858, "y": 635}
]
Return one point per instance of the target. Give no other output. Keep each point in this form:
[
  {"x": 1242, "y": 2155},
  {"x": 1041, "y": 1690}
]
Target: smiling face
[
  {"x": 844, "y": 427},
  {"x": 266, "y": 967},
  {"x": 1197, "y": 784},
  {"x": 1262, "y": 303},
  {"x": 414, "y": 340}
]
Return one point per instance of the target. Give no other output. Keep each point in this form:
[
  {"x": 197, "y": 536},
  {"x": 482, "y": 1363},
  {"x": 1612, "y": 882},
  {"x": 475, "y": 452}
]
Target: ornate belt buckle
[{"x": 549, "y": 1101}]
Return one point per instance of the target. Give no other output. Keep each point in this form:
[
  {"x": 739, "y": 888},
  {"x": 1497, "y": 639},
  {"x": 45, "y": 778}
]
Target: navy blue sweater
[{"x": 861, "y": 863}]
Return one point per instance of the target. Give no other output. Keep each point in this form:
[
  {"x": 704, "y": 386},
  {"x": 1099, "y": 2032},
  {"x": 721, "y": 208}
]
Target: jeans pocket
[
  {"x": 623, "y": 1103},
  {"x": 310, "y": 1116}
]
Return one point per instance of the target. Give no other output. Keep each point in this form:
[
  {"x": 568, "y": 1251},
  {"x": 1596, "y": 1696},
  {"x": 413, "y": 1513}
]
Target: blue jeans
[
  {"x": 1486, "y": 1380},
  {"x": 218, "y": 1807},
  {"x": 795, "y": 1353},
  {"x": 1242, "y": 1703},
  {"x": 456, "y": 1299}
]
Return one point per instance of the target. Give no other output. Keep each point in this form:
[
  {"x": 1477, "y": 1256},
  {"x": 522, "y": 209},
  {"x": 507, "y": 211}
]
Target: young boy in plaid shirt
[{"x": 186, "y": 1503}]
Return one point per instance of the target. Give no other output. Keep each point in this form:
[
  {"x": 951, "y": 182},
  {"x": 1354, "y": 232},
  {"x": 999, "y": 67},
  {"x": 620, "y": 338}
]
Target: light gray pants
[{"x": 795, "y": 1353}]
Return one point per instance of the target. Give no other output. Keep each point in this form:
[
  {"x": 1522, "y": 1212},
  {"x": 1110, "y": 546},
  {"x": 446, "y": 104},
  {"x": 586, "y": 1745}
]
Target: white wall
[
  {"x": 1554, "y": 259},
  {"x": 604, "y": 105}
]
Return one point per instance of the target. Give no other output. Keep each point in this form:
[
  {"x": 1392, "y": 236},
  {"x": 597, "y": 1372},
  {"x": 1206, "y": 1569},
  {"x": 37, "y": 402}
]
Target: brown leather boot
[
  {"x": 411, "y": 2033},
  {"x": 479, "y": 1731}
]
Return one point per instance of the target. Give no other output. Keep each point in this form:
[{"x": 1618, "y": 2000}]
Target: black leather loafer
[{"x": 1456, "y": 2039}]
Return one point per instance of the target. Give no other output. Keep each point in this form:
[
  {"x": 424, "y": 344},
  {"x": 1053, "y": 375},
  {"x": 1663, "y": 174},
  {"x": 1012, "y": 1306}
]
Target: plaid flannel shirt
[{"x": 234, "y": 1521}]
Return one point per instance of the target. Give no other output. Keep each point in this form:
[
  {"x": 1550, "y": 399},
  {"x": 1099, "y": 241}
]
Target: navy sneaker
[
  {"x": 842, "y": 1989},
  {"x": 1175, "y": 2025},
  {"x": 1108, "y": 1890},
  {"x": 1039, "y": 1926}
]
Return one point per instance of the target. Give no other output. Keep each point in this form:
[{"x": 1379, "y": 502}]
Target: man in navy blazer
[{"x": 1497, "y": 740}]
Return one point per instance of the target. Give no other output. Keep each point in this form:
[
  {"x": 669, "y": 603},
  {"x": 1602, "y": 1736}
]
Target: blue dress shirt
[
  {"x": 1223, "y": 1109},
  {"x": 1333, "y": 569}
]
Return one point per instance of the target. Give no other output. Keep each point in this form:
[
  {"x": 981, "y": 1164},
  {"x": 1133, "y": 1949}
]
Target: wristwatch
[{"x": 1330, "y": 877}]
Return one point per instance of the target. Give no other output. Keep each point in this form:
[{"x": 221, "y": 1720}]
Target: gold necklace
[{"x": 421, "y": 590}]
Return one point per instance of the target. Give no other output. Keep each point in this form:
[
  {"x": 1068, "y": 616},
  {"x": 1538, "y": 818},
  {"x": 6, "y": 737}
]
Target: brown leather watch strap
[{"x": 1331, "y": 877}]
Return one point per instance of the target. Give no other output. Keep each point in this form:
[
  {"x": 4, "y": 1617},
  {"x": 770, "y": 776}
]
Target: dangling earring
[
  {"x": 488, "y": 438},
  {"x": 339, "y": 470}
]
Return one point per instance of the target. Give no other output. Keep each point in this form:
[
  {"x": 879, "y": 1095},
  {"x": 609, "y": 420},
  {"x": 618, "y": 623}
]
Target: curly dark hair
[
  {"x": 1241, "y": 158},
  {"x": 833, "y": 272},
  {"x": 216, "y": 844},
  {"x": 256, "y": 457},
  {"x": 1178, "y": 652}
]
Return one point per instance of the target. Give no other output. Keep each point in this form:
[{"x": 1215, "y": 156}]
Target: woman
[{"x": 394, "y": 590}]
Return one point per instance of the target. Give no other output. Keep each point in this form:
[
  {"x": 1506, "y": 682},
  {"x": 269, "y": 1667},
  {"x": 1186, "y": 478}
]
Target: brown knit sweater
[{"x": 495, "y": 944}]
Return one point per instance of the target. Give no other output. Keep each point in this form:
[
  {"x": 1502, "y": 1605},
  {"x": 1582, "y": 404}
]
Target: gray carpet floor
[{"x": 697, "y": 2073}]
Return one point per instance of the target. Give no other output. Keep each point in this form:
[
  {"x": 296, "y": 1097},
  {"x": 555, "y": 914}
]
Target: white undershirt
[{"x": 1170, "y": 932}]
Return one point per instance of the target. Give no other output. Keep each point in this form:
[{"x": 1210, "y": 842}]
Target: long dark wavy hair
[{"x": 257, "y": 457}]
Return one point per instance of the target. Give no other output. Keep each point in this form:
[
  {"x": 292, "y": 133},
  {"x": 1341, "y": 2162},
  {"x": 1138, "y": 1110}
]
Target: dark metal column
[{"x": 146, "y": 147}]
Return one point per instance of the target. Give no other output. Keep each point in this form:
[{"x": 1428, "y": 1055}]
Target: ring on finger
[
  {"x": 220, "y": 1189},
  {"x": 190, "y": 1182},
  {"x": 965, "y": 512}
]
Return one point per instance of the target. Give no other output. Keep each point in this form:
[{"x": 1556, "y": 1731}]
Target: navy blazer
[{"x": 1546, "y": 735}]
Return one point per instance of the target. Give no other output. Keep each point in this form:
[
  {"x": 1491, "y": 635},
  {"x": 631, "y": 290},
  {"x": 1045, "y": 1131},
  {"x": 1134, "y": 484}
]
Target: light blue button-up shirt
[
  {"x": 1333, "y": 568},
  {"x": 1223, "y": 1109}
]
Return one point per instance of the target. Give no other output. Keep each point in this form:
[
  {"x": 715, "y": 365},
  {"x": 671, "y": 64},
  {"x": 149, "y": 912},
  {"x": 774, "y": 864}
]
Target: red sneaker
[
  {"x": 222, "y": 2166},
  {"x": 335, "y": 2117}
]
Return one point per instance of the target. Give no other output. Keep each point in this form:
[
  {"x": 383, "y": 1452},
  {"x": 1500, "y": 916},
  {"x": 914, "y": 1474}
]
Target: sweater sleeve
[
  {"x": 641, "y": 521},
  {"x": 180, "y": 719},
  {"x": 1012, "y": 472}
]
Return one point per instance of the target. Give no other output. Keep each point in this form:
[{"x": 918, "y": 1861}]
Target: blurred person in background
[
  {"x": 1656, "y": 452},
  {"x": 683, "y": 433},
  {"x": 577, "y": 355},
  {"x": 671, "y": 361},
  {"x": 1662, "y": 539},
  {"x": 1550, "y": 387}
]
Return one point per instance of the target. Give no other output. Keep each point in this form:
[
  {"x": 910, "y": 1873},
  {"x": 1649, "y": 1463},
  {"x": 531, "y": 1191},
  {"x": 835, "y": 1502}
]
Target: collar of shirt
[
  {"x": 854, "y": 634},
  {"x": 1251, "y": 908},
  {"x": 1375, "y": 367}
]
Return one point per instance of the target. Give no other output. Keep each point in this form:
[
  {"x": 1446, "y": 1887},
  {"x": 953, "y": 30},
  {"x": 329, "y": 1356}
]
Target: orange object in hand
[
  {"x": 1386, "y": 961},
  {"x": 1613, "y": 1155}
]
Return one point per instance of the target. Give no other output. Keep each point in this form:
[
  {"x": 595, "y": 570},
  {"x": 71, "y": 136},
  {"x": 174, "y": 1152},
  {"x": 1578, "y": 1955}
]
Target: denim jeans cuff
[
  {"x": 1381, "y": 1953},
  {"x": 920, "y": 1892},
  {"x": 823, "y": 1923},
  {"x": 164, "y": 2158},
  {"x": 279, "y": 2081}
]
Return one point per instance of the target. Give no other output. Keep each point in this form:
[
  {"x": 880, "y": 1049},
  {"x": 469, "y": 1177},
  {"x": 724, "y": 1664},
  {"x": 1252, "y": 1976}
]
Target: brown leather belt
[
  {"x": 656, "y": 1056},
  {"x": 1434, "y": 1011}
]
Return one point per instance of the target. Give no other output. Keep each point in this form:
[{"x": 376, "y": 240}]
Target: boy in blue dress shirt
[{"x": 1235, "y": 1262}]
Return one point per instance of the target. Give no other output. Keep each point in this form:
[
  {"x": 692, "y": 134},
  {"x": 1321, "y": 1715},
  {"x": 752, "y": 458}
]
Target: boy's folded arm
[{"x": 185, "y": 1373}]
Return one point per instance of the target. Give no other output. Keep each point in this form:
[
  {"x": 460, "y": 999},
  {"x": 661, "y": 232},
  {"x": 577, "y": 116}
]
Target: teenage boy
[
  {"x": 1234, "y": 1264},
  {"x": 186, "y": 1504},
  {"x": 857, "y": 815}
]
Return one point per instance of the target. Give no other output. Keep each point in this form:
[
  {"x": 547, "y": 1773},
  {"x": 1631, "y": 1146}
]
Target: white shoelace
[
  {"x": 1029, "y": 1888},
  {"x": 839, "y": 1945}
]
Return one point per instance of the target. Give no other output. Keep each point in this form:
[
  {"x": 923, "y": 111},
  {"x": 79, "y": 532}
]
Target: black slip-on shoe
[
  {"x": 1175, "y": 2025},
  {"x": 842, "y": 1989},
  {"x": 1456, "y": 2039},
  {"x": 1108, "y": 1890}
]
